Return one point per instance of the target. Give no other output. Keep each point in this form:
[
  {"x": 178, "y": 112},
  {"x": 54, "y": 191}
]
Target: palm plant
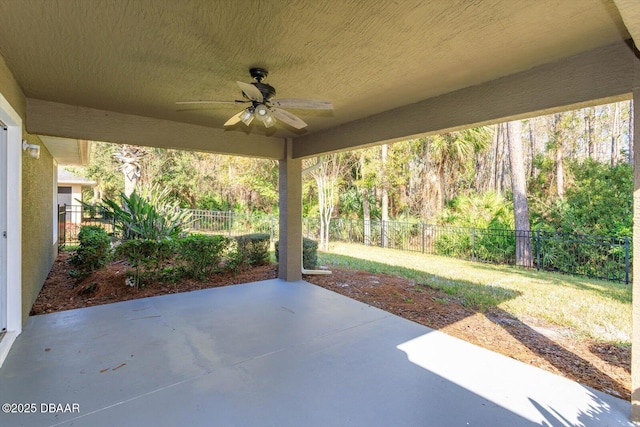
[
  {"x": 148, "y": 215},
  {"x": 454, "y": 152}
]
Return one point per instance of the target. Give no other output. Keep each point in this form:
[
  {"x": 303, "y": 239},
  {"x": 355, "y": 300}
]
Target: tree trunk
[
  {"x": 366, "y": 209},
  {"x": 533, "y": 172},
  {"x": 493, "y": 176},
  {"x": 384, "y": 196},
  {"x": 130, "y": 179},
  {"x": 615, "y": 133},
  {"x": 321, "y": 208},
  {"x": 328, "y": 209},
  {"x": 130, "y": 157},
  {"x": 558, "y": 139},
  {"x": 366, "y": 217},
  {"x": 589, "y": 119},
  {"x": 631, "y": 119},
  {"x": 326, "y": 177},
  {"x": 501, "y": 171},
  {"x": 519, "y": 187}
]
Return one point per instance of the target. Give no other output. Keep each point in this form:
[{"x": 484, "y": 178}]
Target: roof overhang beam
[
  {"x": 70, "y": 121},
  {"x": 594, "y": 77}
]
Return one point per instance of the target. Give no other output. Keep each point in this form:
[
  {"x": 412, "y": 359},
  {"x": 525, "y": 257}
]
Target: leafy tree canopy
[{"x": 600, "y": 201}]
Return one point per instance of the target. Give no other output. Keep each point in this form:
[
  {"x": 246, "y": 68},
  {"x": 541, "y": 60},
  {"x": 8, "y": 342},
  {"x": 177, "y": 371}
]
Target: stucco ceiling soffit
[
  {"x": 67, "y": 151},
  {"x": 84, "y": 147},
  {"x": 366, "y": 56}
]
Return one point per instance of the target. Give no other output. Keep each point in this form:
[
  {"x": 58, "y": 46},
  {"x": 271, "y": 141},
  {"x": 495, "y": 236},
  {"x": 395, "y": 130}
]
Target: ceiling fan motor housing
[{"x": 266, "y": 90}]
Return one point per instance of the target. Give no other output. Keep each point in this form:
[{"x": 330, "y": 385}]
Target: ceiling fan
[{"x": 263, "y": 106}]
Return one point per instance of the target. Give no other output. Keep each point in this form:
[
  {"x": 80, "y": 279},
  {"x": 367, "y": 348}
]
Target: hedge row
[{"x": 195, "y": 256}]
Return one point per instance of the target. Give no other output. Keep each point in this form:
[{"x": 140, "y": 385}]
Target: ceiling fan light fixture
[
  {"x": 269, "y": 120},
  {"x": 247, "y": 116},
  {"x": 264, "y": 115},
  {"x": 261, "y": 112}
]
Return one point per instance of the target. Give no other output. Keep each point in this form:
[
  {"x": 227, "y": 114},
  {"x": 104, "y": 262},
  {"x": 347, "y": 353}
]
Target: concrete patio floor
[{"x": 275, "y": 353}]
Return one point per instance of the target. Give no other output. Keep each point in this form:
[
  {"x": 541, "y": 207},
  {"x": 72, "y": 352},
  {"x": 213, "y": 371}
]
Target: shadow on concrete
[
  {"x": 566, "y": 362},
  {"x": 569, "y": 364}
]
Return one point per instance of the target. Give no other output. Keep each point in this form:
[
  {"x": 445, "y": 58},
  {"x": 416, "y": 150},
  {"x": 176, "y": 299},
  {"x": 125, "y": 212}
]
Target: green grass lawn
[{"x": 585, "y": 307}]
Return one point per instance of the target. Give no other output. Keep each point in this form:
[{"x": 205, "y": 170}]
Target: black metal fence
[
  {"x": 62, "y": 229},
  {"x": 593, "y": 256},
  {"x": 231, "y": 223},
  {"x": 72, "y": 218},
  {"x": 600, "y": 257}
]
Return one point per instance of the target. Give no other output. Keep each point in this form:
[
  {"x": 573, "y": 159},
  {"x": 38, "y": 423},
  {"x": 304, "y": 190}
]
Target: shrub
[
  {"x": 599, "y": 202},
  {"x": 149, "y": 215},
  {"x": 453, "y": 244},
  {"x": 146, "y": 256},
  {"x": 495, "y": 245},
  {"x": 309, "y": 253},
  {"x": 94, "y": 251},
  {"x": 477, "y": 226},
  {"x": 202, "y": 254},
  {"x": 253, "y": 249}
]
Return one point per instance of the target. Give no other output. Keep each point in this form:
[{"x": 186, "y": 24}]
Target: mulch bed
[{"x": 603, "y": 366}]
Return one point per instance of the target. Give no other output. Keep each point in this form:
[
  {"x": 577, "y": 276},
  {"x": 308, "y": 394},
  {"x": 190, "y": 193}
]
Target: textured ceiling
[{"x": 139, "y": 57}]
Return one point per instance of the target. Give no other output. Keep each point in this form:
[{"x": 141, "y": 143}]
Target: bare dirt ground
[{"x": 603, "y": 366}]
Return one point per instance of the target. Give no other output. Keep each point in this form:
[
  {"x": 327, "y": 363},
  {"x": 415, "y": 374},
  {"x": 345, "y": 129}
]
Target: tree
[
  {"x": 532, "y": 146},
  {"x": 453, "y": 155},
  {"x": 559, "y": 151},
  {"x": 413, "y": 179},
  {"x": 384, "y": 199},
  {"x": 175, "y": 170},
  {"x": 519, "y": 189},
  {"x": 103, "y": 169},
  {"x": 326, "y": 176},
  {"x": 631, "y": 119},
  {"x": 366, "y": 209},
  {"x": 599, "y": 202},
  {"x": 615, "y": 134},
  {"x": 589, "y": 121},
  {"x": 130, "y": 157},
  {"x": 500, "y": 165}
]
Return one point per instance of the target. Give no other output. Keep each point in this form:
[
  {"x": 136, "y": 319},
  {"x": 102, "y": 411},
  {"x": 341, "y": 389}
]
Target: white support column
[
  {"x": 290, "y": 187},
  {"x": 635, "y": 339}
]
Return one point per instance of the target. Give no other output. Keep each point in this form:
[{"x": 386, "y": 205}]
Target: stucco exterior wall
[{"x": 38, "y": 248}]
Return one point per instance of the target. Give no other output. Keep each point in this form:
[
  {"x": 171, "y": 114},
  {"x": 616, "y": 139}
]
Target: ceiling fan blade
[
  {"x": 305, "y": 104},
  {"x": 235, "y": 119},
  {"x": 210, "y": 102},
  {"x": 252, "y": 92},
  {"x": 288, "y": 118}
]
